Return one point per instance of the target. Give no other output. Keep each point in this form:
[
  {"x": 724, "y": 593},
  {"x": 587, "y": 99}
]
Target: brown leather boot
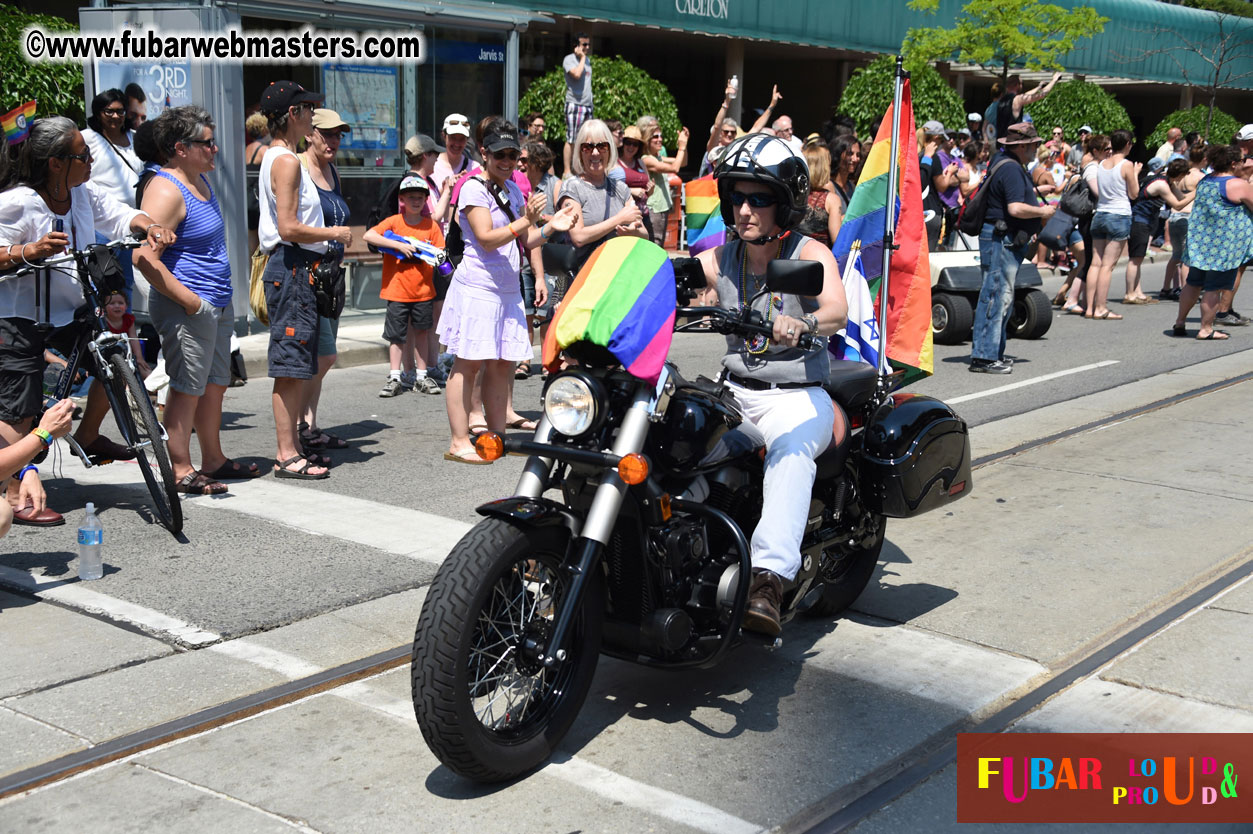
[{"x": 765, "y": 597}]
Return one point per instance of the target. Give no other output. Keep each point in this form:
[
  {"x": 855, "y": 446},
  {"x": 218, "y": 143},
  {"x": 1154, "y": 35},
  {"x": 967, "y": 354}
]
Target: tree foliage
[
  {"x": 58, "y": 88},
  {"x": 1243, "y": 8},
  {"x": 870, "y": 91},
  {"x": 999, "y": 34},
  {"x": 1221, "y": 129},
  {"x": 620, "y": 90},
  {"x": 1075, "y": 103}
]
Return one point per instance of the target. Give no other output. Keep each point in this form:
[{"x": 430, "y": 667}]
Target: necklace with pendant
[{"x": 756, "y": 345}]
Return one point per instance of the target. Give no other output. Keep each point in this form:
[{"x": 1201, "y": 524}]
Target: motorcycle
[{"x": 645, "y": 554}]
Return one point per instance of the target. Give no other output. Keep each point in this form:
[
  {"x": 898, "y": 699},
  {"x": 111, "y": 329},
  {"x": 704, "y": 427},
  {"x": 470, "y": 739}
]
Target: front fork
[{"x": 601, "y": 516}]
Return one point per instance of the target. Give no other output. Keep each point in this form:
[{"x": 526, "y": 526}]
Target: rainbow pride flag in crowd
[
  {"x": 623, "y": 299},
  {"x": 909, "y": 344},
  {"x": 16, "y": 122},
  {"x": 702, "y": 213}
]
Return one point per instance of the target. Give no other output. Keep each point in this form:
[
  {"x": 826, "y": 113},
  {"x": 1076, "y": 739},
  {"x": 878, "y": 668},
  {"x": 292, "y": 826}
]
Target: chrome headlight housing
[{"x": 573, "y": 403}]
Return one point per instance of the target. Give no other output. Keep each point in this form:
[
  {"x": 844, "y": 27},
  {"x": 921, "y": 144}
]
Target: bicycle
[{"x": 96, "y": 270}]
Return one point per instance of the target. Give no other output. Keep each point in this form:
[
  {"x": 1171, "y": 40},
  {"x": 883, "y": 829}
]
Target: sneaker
[
  {"x": 990, "y": 366},
  {"x": 426, "y": 385},
  {"x": 765, "y": 596},
  {"x": 1231, "y": 319},
  {"x": 391, "y": 388}
]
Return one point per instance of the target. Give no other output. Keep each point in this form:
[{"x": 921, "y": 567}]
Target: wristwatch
[{"x": 811, "y": 322}]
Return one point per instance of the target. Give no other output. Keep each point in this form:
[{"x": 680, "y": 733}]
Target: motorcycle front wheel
[{"x": 487, "y": 706}]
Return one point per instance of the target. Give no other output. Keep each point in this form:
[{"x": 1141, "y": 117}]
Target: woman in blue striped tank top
[{"x": 191, "y": 306}]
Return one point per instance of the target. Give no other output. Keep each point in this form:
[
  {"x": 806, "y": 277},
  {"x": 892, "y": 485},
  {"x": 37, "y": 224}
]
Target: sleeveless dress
[{"x": 1220, "y": 233}]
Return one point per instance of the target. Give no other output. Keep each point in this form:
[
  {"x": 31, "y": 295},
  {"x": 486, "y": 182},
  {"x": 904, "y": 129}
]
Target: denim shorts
[
  {"x": 328, "y": 332},
  {"x": 1178, "y": 225},
  {"x": 293, "y": 314},
  {"x": 1212, "y": 280},
  {"x": 1107, "y": 226}
]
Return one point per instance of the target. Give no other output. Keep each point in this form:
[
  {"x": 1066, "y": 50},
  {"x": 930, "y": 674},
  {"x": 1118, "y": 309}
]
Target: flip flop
[
  {"x": 1179, "y": 330},
  {"x": 522, "y": 424},
  {"x": 1215, "y": 335},
  {"x": 1109, "y": 316},
  {"x": 301, "y": 474},
  {"x": 197, "y": 483},
  {"x": 1073, "y": 310},
  {"x": 464, "y": 457},
  {"x": 234, "y": 471}
]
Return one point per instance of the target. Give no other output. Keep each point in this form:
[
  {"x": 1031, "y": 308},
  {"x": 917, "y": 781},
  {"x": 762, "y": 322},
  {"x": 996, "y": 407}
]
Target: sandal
[
  {"x": 1215, "y": 335},
  {"x": 318, "y": 439},
  {"x": 522, "y": 424},
  {"x": 301, "y": 474},
  {"x": 1179, "y": 330},
  {"x": 234, "y": 471},
  {"x": 197, "y": 483},
  {"x": 1109, "y": 316},
  {"x": 313, "y": 457},
  {"x": 1073, "y": 310},
  {"x": 465, "y": 457},
  {"x": 523, "y": 370}
]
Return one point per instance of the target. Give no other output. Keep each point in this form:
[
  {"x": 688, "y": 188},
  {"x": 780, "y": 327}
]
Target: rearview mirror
[
  {"x": 795, "y": 277},
  {"x": 689, "y": 276}
]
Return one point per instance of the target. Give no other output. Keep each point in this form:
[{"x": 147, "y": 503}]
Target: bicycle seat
[{"x": 851, "y": 383}]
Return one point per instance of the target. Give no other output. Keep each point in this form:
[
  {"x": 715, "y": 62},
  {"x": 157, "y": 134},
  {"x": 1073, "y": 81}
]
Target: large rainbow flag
[
  {"x": 703, "y": 215},
  {"x": 623, "y": 299},
  {"x": 909, "y": 343},
  {"x": 16, "y": 122}
]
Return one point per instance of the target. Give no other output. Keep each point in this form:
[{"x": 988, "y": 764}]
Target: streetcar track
[{"x": 838, "y": 811}]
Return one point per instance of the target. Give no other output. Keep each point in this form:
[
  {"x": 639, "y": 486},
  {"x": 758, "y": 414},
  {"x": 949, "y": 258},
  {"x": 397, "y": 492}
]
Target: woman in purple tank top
[{"x": 191, "y": 299}]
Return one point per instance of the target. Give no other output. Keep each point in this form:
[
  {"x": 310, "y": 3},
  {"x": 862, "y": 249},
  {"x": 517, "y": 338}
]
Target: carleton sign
[{"x": 703, "y": 8}]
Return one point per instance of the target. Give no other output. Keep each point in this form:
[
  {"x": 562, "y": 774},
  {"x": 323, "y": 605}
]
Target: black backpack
[{"x": 970, "y": 221}]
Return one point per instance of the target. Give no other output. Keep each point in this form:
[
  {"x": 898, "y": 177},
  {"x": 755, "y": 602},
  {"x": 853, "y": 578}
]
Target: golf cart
[{"x": 956, "y": 281}]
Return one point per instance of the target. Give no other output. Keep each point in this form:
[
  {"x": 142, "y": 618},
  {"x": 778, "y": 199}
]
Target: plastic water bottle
[
  {"x": 735, "y": 86},
  {"x": 90, "y": 538}
]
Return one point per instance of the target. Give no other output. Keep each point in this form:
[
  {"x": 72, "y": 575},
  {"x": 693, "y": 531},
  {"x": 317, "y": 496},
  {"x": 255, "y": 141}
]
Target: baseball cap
[
  {"x": 420, "y": 143},
  {"x": 1086, "y": 129},
  {"x": 281, "y": 95},
  {"x": 412, "y": 183},
  {"x": 1245, "y": 134},
  {"x": 973, "y": 117},
  {"x": 501, "y": 140},
  {"x": 327, "y": 119},
  {"x": 457, "y": 124},
  {"x": 933, "y": 127},
  {"x": 965, "y": 131}
]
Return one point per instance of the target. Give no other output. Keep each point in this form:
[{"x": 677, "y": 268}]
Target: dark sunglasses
[
  {"x": 81, "y": 157},
  {"x": 522, "y": 160},
  {"x": 756, "y": 199},
  {"x": 113, "y": 111},
  {"x": 588, "y": 147},
  {"x": 507, "y": 154},
  {"x": 728, "y": 133},
  {"x": 208, "y": 143},
  {"x": 304, "y": 105}
]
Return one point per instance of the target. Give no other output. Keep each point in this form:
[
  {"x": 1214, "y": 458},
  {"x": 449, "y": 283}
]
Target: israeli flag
[{"x": 860, "y": 339}]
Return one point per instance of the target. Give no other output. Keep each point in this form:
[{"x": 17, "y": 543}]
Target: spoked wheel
[
  {"x": 486, "y": 704},
  {"x": 142, "y": 433},
  {"x": 846, "y": 568}
]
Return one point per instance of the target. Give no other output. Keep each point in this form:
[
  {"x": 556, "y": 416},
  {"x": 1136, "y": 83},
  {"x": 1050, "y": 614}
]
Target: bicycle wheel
[{"x": 142, "y": 433}]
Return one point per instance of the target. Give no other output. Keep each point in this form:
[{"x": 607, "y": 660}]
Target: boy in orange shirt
[{"x": 408, "y": 287}]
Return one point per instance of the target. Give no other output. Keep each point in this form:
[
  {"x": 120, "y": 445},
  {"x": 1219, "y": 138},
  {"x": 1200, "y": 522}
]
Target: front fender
[{"x": 533, "y": 512}]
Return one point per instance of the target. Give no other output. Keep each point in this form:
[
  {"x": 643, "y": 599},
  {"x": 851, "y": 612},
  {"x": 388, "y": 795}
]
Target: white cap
[
  {"x": 91, "y": 507},
  {"x": 1086, "y": 129},
  {"x": 973, "y": 117},
  {"x": 457, "y": 124},
  {"x": 1245, "y": 134}
]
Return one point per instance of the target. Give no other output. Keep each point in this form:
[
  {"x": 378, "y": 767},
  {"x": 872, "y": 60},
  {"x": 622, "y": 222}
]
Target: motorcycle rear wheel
[
  {"x": 846, "y": 570},
  {"x": 488, "y": 709}
]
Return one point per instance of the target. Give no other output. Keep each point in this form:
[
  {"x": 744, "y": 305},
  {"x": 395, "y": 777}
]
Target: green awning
[{"x": 1135, "y": 29}]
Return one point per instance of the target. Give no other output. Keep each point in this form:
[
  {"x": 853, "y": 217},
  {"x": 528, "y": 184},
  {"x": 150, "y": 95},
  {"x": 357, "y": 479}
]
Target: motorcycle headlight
[{"x": 570, "y": 405}]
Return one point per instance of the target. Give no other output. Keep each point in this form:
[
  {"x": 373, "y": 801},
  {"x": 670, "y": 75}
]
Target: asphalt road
[{"x": 1054, "y": 551}]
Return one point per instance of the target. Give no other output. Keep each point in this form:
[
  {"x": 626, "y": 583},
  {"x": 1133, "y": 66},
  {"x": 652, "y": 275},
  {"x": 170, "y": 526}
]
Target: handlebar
[
  {"x": 75, "y": 255},
  {"x": 731, "y": 322}
]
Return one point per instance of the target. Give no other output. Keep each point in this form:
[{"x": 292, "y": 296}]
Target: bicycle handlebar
[{"x": 73, "y": 255}]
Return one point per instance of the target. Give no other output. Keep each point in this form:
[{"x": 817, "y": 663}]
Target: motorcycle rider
[{"x": 763, "y": 185}]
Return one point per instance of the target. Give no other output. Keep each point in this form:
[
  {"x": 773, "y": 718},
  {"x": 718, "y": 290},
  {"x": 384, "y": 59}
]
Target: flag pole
[{"x": 889, "y": 221}]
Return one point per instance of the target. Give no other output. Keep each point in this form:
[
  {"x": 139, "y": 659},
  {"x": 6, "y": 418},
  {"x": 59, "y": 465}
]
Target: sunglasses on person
[
  {"x": 728, "y": 133},
  {"x": 207, "y": 143},
  {"x": 588, "y": 147},
  {"x": 506, "y": 154},
  {"x": 85, "y": 157},
  {"x": 756, "y": 199},
  {"x": 114, "y": 111},
  {"x": 522, "y": 160},
  {"x": 456, "y": 122},
  {"x": 303, "y": 106}
]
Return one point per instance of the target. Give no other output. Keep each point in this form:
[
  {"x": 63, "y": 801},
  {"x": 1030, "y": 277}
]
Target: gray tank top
[{"x": 775, "y": 363}]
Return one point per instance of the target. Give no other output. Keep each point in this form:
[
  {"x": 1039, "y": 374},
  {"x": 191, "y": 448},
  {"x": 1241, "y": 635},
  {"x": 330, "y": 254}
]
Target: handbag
[
  {"x": 256, "y": 287},
  {"x": 327, "y": 277},
  {"x": 1056, "y": 232},
  {"x": 1077, "y": 199}
]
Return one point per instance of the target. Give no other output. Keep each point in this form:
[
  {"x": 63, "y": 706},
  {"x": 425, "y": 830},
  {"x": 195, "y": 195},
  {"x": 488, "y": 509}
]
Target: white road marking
[
  {"x": 285, "y": 664},
  {"x": 1000, "y": 389},
  {"x": 414, "y": 534},
  {"x": 74, "y": 594}
]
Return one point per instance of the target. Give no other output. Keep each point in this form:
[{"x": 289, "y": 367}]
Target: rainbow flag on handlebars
[
  {"x": 909, "y": 344},
  {"x": 624, "y": 300},
  {"x": 702, "y": 213},
  {"x": 16, "y": 122}
]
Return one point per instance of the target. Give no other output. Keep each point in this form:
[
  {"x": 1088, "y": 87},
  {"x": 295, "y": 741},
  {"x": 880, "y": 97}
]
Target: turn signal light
[
  {"x": 490, "y": 446},
  {"x": 633, "y": 469},
  {"x": 957, "y": 487}
]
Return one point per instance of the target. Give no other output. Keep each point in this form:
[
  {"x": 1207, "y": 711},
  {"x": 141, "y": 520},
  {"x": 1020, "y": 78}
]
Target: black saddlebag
[{"x": 916, "y": 457}]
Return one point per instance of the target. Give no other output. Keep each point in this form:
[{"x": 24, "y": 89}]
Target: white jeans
[{"x": 795, "y": 425}]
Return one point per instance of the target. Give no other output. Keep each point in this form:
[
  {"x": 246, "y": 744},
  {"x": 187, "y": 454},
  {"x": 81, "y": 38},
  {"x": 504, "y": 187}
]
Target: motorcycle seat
[{"x": 850, "y": 384}]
